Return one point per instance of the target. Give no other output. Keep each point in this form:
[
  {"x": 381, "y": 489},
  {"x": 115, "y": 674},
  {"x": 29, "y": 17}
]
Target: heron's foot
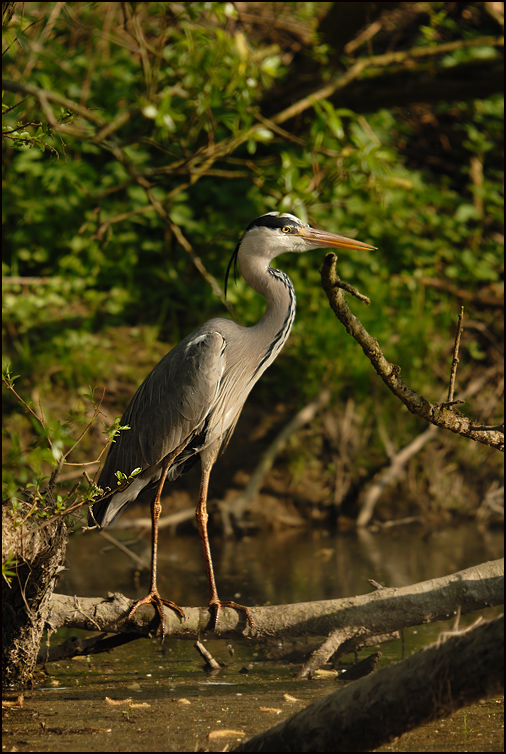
[
  {"x": 216, "y": 605},
  {"x": 153, "y": 598}
]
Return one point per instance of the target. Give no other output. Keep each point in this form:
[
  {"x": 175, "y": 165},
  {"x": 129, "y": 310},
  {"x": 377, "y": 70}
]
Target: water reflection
[{"x": 277, "y": 568}]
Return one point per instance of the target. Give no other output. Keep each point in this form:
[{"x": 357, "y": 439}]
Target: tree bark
[
  {"x": 357, "y": 618},
  {"x": 38, "y": 552}
]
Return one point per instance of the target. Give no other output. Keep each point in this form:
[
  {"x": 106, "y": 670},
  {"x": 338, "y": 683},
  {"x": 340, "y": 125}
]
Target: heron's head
[{"x": 275, "y": 233}]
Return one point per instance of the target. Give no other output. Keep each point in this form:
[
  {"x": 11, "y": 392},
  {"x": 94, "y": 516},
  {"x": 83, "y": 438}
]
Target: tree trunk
[{"x": 38, "y": 551}]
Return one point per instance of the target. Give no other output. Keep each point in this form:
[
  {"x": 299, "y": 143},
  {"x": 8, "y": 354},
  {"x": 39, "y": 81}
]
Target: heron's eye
[{"x": 286, "y": 229}]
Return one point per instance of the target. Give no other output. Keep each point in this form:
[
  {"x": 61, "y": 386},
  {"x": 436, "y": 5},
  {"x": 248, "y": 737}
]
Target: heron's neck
[{"x": 277, "y": 289}]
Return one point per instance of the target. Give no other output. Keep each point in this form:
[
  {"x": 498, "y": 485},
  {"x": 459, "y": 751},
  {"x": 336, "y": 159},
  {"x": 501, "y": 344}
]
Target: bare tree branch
[
  {"x": 434, "y": 413},
  {"x": 385, "y": 478},
  {"x": 238, "y": 505},
  {"x": 381, "y": 612},
  {"x": 398, "y": 70}
]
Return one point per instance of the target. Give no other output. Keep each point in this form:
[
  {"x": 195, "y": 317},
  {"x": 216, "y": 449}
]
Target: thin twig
[
  {"x": 354, "y": 292},
  {"x": 139, "y": 561},
  {"x": 34, "y": 505},
  {"x": 488, "y": 427},
  {"x": 44, "y": 96},
  {"x": 455, "y": 361},
  {"x": 88, "y": 427},
  {"x": 197, "y": 261},
  {"x": 25, "y": 404}
]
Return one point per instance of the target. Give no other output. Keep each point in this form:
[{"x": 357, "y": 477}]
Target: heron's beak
[{"x": 331, "y": 241}]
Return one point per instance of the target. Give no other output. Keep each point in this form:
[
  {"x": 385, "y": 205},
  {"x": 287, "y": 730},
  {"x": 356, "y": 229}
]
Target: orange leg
[
  {"x": 153, "y": 598},
  {"x": 215, "y": 603}
]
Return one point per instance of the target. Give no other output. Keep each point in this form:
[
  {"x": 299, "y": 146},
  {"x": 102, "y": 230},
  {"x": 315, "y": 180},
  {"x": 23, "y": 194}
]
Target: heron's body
[{"x": 189, "y": 404}]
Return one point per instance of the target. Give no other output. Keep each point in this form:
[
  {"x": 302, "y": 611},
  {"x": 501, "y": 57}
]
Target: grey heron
[{"x": 188, "y": 406}]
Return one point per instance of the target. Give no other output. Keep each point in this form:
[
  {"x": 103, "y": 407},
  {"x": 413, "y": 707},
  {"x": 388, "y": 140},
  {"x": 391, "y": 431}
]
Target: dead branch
[
  {"x": 77, "y": 646},
  {"x": 388, "y": 476},
  {"x": 437, "y": 414},
  {"x": 374, "y": 63},
  {"x": 434, "y": 682},
  {"x": 238, "y": 505},
  {"x": 380, "y": 612}
]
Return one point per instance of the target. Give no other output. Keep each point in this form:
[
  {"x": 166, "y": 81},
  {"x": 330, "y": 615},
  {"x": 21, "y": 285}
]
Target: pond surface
[{"x": 144, "y": 697}]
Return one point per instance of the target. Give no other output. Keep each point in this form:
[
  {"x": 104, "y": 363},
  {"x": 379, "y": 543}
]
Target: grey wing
[{"x": 171, "y": 407}]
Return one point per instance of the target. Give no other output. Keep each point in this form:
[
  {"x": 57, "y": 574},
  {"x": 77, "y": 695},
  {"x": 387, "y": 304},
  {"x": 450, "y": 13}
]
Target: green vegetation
[{"x": 128, "y": 183}]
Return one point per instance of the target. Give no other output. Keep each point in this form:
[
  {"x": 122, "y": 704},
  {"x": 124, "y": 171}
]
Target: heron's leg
[
  {"x": 153, "y": 598},
  {"x": 202, "y": 517}
]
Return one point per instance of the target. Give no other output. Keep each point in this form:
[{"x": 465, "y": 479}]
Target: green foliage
[
  {"x": 85, "y": 251},
  {"x": 113, "y": 431},
  {"x": 26, "y": 485},
  {"x": 122, "y": 478},
  {"x": 7, "y": 565}
]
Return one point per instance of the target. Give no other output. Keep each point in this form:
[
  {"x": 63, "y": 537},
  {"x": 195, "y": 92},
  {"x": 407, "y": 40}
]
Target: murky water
[{"x": 143, "y": 697}]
